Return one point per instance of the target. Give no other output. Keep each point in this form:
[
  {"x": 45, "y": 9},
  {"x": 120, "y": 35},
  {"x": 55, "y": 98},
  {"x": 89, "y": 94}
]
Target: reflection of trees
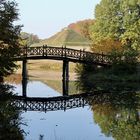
[
  {"x": 116, "y": 109},
  {"x": 114, "y": 78},
  {"x": 9, "y": 116},
  {"x": 118, "y": 115}
]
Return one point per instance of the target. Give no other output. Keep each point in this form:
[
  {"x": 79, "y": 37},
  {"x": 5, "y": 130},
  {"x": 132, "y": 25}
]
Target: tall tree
[
  {"x": 118, "y": 21},
  {"x": 9, "y": 36}
]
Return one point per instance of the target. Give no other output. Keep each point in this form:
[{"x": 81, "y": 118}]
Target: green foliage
[
  {"x": 121, "y": 76},
  {"x": 9, "y": 36},
  {"x": 124, "y": 62},
  {"x": 118, "y": 21},
  {"x": 84, "y": 78},
  {"x": 115, "y": 32}
]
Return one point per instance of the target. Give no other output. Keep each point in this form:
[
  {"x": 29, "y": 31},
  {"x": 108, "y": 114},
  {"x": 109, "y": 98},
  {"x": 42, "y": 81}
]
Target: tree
[
  {"x": 29, "y": 39},
  {"x": 9, "y": 36},
  {"x": 118, "y": 21},
  {"x": 115, "y": 32},
  {"x": 82, "y": 27}
]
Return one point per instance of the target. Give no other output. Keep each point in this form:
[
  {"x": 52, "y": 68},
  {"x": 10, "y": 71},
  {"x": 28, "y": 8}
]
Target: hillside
[
  {"x": 66, "y": 37},
  {"x": 73, "y": 35},
  {"x": 80, "y": 26}
]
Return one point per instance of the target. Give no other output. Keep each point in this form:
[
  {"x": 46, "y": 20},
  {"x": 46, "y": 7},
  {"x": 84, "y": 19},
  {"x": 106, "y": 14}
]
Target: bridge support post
[
  {"x": 65, "y": 75},
  {"x": 24, "y": 78}
]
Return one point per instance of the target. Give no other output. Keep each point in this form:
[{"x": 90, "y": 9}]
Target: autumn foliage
[
  {"x": 82, "y": 27},
  {"x": 107, "y": 46}
]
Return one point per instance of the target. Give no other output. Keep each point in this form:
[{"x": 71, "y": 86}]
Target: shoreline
[{"x": 39, "y": 75}]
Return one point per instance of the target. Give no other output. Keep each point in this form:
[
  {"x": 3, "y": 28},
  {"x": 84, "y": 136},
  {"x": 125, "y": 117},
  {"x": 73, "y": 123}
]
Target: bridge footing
[{"x": 65, "y": 76}]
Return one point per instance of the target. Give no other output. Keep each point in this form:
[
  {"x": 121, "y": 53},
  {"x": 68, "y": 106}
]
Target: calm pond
[
  {"x": 71, "y": 124},
  {"x": 101, "y": 115}
]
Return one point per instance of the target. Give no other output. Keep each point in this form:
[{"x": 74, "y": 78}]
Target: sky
[{"x": 46, "y": 17}]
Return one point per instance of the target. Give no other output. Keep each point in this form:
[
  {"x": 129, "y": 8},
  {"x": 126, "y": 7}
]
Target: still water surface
[{"x": 72, "y": 124}]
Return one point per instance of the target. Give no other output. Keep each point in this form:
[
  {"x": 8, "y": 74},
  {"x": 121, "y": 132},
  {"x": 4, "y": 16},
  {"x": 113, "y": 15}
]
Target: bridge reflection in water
[{"x": 51, "y": 103}]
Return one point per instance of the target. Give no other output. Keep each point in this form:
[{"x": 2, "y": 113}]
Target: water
[
  {"x": 37, "y": 89},
  {"x": 72, "y": 124}
]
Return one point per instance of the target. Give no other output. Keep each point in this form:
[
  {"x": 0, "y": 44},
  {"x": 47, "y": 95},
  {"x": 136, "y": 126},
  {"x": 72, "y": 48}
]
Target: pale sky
[{"x": 46, "y": 17}]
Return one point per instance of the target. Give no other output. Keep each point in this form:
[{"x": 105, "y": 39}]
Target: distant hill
[
  {"x": 69, "y": 36},
  {"x": 66, "y": 37}
]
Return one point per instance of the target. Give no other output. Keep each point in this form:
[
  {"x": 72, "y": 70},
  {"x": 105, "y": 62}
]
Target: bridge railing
[
  {"x": 64, "y": 52},
  {"x": 49, "y": 104}
]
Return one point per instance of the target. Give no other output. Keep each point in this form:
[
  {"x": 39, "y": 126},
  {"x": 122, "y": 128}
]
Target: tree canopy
[
  {"x": 117, "y": 21},
  {"x": 9, "y": 36}
]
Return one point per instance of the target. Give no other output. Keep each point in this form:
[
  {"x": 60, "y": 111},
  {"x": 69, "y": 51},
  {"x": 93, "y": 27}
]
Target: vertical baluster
[
  {"x": 46, "y": 50},
  {"x": 83, "y": 53},
  {"x": 26, "y": 51},
  {"x": 34, "y": 51},
  {"x": 62, "y": 51},
  {"x": 80, "y": 54},
  {"x": 43, "y": 50},
  {"x": 102, "y": 57},
  {"x": 40, "y": 52},
  {"x": 65, "y": 52}
]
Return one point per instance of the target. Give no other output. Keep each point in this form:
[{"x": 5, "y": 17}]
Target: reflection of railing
[
  {"x": 50, "y": 104},
  {"x": 63, "y": 53},
  {"x": 72, "y": 101}
]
